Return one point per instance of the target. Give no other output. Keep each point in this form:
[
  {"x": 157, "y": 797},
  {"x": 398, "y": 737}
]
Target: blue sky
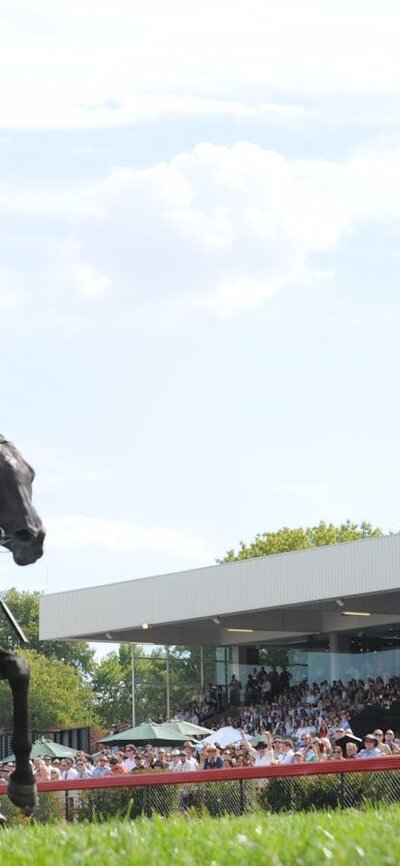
[{"x": 199, "y": 274}]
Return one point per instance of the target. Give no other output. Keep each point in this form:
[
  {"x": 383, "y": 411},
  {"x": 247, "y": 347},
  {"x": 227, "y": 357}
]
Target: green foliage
[
  {"x": 25, "y": 608},
  {"x": 286, "y": 540},
  {"x": 103, "y": 804},
  {"x": 48, "y": 810},
  {"x": 58, "y": 696},
  {"x": 304, "y": 794},
  {"x": 112, "y": 682}
]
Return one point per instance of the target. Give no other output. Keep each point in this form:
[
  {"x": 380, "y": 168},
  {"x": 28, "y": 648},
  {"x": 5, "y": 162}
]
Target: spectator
[
  {"x": 298, "y": 758},
  {"x": 129, "y": 760},
  {"x": 351, "y": 750},
  {"x": 213, "y": 761},
  {"x": 102, "y": 768},
  {"x": 117, "y": 768},
  {"x": 175, "y": 763},
  {"x": 68, "y": 770},
  {"x": 286, "y": 755},
  {"x": 370, "y": 749},
  {"x": 390, "y": 741},
  {"x": 383, "y": 747},
  {"x": 83, "y": 769}
]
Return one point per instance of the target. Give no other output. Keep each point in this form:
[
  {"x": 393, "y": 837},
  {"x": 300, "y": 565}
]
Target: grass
[{"x": 370, "y": 838}]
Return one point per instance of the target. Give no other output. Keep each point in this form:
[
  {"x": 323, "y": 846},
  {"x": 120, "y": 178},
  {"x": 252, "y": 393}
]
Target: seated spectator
[
  {"x": 351, "y": 750},
  {"x": 190, "y": 762},
  {"x": 68, "y": 770},
  {"x": 383, "y": 747},
  {"x": 117, "y": 767},
  {"x": 263, "y": 753},
  {"x": 176, "y": 760},
  {"x": 102, "y": 768},
  {"x": 298, "y": 758},
  {"x": 161, "y": 762},
  {"x": 390, "y": 741},
  {"x": 213, "y": 761},
  {"x": 138, "y": 763},
  {"x": 83, "y": 769},
  {"x": 370, "y": 749},
  {"x": 129, "y": 759},
  {"x": 286, "y": 755}
]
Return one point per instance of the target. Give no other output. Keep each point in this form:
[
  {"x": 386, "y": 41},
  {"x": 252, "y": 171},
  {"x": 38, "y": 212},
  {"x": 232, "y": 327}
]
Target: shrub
[{"x": 329, "y": 792}]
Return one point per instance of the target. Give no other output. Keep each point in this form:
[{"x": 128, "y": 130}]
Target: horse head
[{"x": 21, "y": 529}]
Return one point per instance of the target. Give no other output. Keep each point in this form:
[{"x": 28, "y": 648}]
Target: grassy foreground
[{"x": 371, "y": 838}]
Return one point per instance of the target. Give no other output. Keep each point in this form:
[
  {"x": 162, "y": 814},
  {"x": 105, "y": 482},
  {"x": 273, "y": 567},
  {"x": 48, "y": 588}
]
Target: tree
[
  {"x": 25, "y": 608},
  {"x": 58, "y": 697},
  {"x": 112, "y": 682},
  {"x": 286, "y": 540}
]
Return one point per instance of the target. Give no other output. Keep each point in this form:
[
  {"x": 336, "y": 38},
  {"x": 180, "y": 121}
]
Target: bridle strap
[{"x": 3, "y": 537}]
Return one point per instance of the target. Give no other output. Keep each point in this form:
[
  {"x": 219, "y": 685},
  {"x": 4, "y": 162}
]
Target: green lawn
[{"x": 370, "y": 838}]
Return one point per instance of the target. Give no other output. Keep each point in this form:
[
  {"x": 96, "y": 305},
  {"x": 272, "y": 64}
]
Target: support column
[
  {"x": 133, "y": 685},
  {"x": 168, "y": 683},
  {"x": 333, "y": 656},
  {"x": 202, "y": 672}
]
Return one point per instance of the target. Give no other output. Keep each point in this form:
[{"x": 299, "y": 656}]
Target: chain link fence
[{"x": 304, "y": 787}]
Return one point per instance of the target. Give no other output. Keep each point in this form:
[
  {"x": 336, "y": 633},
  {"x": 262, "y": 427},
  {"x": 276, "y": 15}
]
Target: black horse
[{"x": 22, "y": 532}]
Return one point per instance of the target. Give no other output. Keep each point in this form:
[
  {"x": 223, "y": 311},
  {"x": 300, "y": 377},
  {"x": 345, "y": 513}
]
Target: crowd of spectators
[
  {"x": 276, "y": 723},
  {"x": 269, "y": 701},
  {"x": 267, "y": 750}
]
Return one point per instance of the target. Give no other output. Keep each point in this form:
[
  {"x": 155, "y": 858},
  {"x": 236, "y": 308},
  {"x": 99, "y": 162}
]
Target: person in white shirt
[
  {"x": 129, "y": 760},
  {"x": 263, "y": 755},
  {"x": 189, "y": 762},
  {"x": 286, "y": 756},
  {"x": 176, "y": 760},
  {"x": 68, "y": 769}
]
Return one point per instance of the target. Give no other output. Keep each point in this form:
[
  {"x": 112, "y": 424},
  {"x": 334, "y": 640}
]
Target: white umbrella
[{"x": 224, "y": 737}]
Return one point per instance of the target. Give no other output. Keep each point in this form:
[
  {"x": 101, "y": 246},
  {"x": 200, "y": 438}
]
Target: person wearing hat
[
  {"x": 213, "y": 760},
  {"x": 175, "y": 762},
  {"x": 189, "y": 762},
  {"x": 264, "y": 754},
  {"x": 371, "y": 748}
]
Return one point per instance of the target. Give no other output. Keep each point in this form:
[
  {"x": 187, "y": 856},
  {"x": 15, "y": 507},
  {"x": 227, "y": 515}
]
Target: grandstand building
[{"x": 335, "y": 610}]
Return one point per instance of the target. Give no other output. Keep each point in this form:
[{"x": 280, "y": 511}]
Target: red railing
[{"x": 141, "y": 779}]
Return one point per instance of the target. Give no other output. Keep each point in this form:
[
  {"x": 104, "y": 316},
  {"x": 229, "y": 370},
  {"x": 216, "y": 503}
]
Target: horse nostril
[{"x": 23, "y": 535}]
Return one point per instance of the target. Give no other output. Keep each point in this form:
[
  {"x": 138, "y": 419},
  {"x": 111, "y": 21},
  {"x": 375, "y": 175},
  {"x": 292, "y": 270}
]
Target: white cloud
[
  {"x": 121, "y": 535},
  {"x": 216, "y": 228},
  {"x": 74, "y": 64}
]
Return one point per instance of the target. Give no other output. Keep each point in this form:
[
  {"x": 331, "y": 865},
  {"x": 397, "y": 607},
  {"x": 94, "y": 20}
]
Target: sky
[{"x": 199, "y": 274}]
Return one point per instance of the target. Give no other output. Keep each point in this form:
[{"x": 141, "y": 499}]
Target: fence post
[
  {"x": 66, "y": 793},
  {"x": 241, "y": 797},
  {"x": 147, "y": 806},
  {"x": 341, "y": 791}
]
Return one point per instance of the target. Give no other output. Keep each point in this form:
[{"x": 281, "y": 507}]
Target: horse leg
[{"x": 21, "y": 784}]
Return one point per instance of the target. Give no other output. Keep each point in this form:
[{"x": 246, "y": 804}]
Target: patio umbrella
[
  {"x": 161, "y": 735},
  {"x": 348, "y": 738},
  {"x": 187, "y": 729},
  {"x": 225, "y": 736},
  {"x": 46, "y": 747}
]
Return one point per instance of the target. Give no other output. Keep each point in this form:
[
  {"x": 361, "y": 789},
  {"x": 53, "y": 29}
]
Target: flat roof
[{"x": 269, "y": 599}]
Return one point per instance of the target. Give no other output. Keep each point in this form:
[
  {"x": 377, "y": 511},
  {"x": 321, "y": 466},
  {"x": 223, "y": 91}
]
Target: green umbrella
[
  {"x": 46, "y": 747},
  {"x": 147, "y": 733},
  {"x": 187, "y": 729}
]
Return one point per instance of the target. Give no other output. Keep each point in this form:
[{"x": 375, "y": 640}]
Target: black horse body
[{"x": 22, "y": 532}]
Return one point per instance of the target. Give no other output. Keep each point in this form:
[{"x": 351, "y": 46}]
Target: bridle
[{"x": 4, "y": 539}]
